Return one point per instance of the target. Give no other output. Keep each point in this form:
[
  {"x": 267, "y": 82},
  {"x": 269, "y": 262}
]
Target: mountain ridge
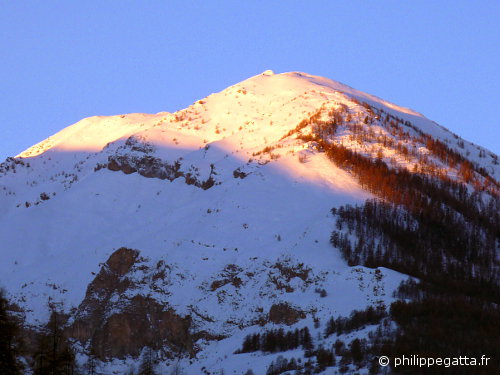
[
  {"x": 314, "y": 81},
  {"x": 224, "y": 210}
]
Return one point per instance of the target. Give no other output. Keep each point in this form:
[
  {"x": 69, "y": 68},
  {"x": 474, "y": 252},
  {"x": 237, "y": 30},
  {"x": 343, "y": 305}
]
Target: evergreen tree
[
  {"x": 9, "y": 340},
  {"x": 325, "y": 358},
  {"x": 91, "y": 364},
  {"x": 147, "y": 366},
  {"x": 356, "y": 351},
  {"x": 306, "y": 340},
  {"x": 53, "y": 354}
]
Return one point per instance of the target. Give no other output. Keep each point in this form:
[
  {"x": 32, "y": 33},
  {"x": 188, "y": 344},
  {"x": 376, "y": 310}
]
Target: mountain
[{"x": 279, "y": 202}]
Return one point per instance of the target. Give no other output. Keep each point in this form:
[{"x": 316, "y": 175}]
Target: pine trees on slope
[
  {"x": 53, "y": 354},
  {"x": 9, "y": 340}
]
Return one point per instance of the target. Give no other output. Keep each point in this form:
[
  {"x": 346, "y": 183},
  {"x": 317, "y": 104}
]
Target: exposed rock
[
  {"x": 147, "y": 166},
  {"x": 113, "y": 165},
  {"x": 151, "y": 167},
  {"x": 290, "y": 271},
  {"x": 283, "y": 313},
  {"x": 117, "y": 324},
  {"x": 237, "y": 173},
  {"x": 121, "y": 261},
  {"x": 228, "y": 276},
  {"x": 11, "y": 163},
  {"x": 143, "y": 322},
  {"x": 286, "y": 271}
]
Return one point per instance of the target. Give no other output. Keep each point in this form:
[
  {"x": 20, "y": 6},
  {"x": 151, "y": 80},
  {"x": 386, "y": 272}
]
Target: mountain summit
[{"x": 184, "y": 232}]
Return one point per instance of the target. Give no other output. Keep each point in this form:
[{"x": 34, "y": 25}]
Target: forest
[{"x": 446, "y": 234}]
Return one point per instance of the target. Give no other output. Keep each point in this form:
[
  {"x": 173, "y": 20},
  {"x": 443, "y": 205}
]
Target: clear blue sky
[{"x": 65, "y": 60}]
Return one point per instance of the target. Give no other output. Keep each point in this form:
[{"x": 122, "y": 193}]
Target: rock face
[
  {"x": 152, "y": 167},
  {"x": 116, "y": 324},
  {"x": 119, "y": 263},
  {"x": 142, "y": 322},
  {"x": 283, "y": 313},
  {"x": 146, "y": 166}
]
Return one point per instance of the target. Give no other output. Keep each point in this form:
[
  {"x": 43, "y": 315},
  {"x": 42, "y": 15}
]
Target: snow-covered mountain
[{"x": 187, "y": 231}]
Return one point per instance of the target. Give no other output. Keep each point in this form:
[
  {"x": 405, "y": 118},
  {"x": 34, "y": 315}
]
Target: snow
[{"x": 279, "y": 212}]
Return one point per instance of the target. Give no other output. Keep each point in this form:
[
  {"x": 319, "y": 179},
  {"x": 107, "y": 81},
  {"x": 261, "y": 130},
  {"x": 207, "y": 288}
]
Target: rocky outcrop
[
  {"x": 10, "y": 164},
  {"x": 117, "y": 323},
  {"x": 238, "y": 173},
  {"x": 228, "y": 276},
  {"x": 147, "y": 166},
  {"x": 151, "y": 167},
  {"x": 138, "y": 155},
  {"x": 142, "y": 322},
  {"x": 283, "y": 313}
]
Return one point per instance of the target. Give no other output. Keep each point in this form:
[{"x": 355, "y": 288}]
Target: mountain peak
[
  {"x": 238, "y": 213},
  {"x": 249, "y": 116}
]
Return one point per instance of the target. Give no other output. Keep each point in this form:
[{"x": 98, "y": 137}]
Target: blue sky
[{"x": 62, "y": 61}]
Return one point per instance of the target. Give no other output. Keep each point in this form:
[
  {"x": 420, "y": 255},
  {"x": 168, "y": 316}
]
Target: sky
[{"x": 62, "y": 61}]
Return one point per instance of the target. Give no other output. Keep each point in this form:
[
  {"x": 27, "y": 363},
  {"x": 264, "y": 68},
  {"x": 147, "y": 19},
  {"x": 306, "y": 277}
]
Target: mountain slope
[{"x": 216, "y": 216}]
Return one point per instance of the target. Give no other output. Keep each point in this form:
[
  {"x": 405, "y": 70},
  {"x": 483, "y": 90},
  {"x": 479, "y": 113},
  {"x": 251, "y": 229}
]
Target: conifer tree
[
  {"x": 91, "y": 364},
  {"x": 53, "y": 354},
  {"x": 9, "y": 341},
  {"x": 147, "y": 366}
]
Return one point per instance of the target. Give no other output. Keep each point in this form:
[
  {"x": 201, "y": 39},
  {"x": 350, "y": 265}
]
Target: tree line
[{"x": 276, "y": 340}]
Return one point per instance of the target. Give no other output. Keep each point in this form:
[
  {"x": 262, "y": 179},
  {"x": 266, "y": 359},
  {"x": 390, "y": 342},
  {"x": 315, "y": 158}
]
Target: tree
[
  {"x": 356, "y": 350},
  {"x": 91, "y": 364},
  {"x": 53, "y": 354},
  {"x": 9, "y": 340},
  {"x": 147, "y": 366},
  {"x": 306, "y": 339},
  {"x": 339, "y": 347},
  {"x": 325, "y": 358}
]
